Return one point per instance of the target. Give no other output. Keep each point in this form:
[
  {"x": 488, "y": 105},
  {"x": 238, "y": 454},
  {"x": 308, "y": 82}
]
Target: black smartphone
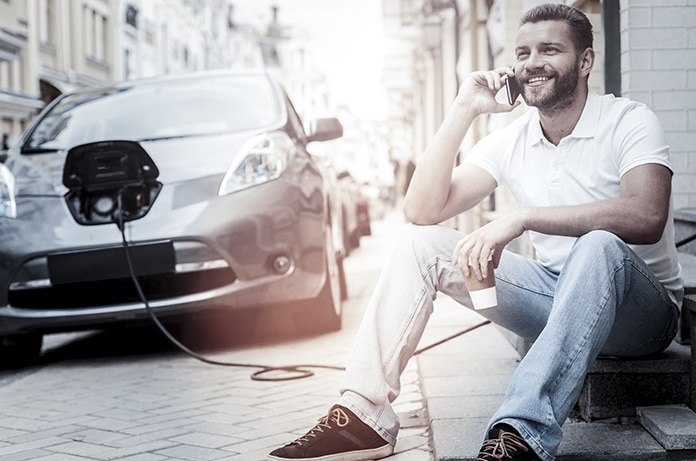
[{"x": 513, "y": 90}]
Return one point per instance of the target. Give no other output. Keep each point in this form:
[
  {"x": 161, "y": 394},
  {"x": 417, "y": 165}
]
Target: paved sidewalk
[{"x": 119, "y": 397}]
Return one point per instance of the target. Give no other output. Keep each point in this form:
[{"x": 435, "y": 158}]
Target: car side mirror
[{"x": 324, "y": 129}]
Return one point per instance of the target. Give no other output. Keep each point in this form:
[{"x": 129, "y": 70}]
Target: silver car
[{"x": 200, "y": 187}]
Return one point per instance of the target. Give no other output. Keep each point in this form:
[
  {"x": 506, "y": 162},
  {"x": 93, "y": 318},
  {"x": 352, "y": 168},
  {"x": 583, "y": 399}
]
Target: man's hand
[
  {"x": 479, "y": 91},
  {"x": 485, "y": 245}
]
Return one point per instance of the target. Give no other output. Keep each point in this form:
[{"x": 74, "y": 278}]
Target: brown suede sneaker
[
  {"x": 338, "y": 436},
  {"x": 505, "y": 444}
]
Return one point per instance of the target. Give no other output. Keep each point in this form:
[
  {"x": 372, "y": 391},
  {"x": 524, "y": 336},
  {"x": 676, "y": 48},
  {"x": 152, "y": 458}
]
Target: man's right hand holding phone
[{"x": 479, "y": 91}]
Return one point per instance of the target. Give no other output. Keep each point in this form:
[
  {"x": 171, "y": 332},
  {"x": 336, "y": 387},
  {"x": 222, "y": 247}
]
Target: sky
[{"x": 347, "y": 43}]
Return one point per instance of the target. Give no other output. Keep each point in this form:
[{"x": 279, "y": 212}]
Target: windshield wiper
[
  {"x": 39, "y": 150},
  {"x": 163, "y": 138}
]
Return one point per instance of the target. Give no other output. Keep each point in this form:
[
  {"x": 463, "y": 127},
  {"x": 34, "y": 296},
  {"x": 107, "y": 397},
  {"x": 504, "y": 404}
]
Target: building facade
[
  {"x": 645, "y": 49},
  {"x": 48, "y": 47}
]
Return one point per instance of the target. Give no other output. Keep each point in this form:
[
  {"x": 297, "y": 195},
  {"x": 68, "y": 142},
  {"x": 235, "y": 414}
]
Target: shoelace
[
  {"x": 498, "y": 448},
  {"x": 336, "y": 415}
]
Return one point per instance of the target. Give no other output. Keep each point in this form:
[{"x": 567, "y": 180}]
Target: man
[{"x": 592, "y": 178}]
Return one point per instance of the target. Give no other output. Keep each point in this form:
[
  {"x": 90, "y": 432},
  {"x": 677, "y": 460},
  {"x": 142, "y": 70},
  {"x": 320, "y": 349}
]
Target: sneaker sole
[{"x": 360, "y": 455}]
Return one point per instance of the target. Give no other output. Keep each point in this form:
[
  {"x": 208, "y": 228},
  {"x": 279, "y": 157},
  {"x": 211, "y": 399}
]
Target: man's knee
[
  {"x": 415, "y": 232},
  {"x": 420, "y": 237},
  {"x": 599, "y": 237},
  {"x": 600, "y": 242}
]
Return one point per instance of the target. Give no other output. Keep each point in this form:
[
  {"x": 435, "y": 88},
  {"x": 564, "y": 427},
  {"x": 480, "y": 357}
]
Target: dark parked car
[
  {"x": 356, "y": 211},
  {"x": 206, "y": 177}
]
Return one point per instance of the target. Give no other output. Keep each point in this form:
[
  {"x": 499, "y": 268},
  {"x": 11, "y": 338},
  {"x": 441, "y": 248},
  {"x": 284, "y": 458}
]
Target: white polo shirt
[{"x": 612, "y": 136}]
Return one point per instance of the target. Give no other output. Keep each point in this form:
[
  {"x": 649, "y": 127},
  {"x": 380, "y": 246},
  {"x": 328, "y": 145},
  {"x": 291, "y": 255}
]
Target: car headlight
[
  {"x": 8, "y": 205},
  {"x": 263, "y": 158}
]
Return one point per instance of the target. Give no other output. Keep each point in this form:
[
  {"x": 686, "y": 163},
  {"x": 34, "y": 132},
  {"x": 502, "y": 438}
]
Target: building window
[
  {"x": 95, "y": 34},
  {"x": 46, "y": 21},
  {"x": 11, "y": 75},
  {"x": 6, "y": 131},
  {"x": 132, "y": 16},
  {"x": 128, "y": 64},
  {"x": 4, "y": 74}
]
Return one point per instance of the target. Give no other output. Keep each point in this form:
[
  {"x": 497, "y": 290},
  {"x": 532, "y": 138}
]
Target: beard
[{"x": 560, "y": 96}]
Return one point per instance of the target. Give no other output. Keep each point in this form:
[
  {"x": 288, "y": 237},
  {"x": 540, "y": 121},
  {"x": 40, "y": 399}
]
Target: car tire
[
  {"x": 330, "y": 299},
  {"x": 20, "y": 350},
  {"x": 347, "y": 236},
  {"x": 342, "y": 280},
  {"x": 324, "y": 313}
]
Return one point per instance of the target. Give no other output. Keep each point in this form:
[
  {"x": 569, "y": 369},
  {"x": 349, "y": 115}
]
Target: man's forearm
[
  {"x": 429, "y": 189},
  {"x": 618, "y": 216}
]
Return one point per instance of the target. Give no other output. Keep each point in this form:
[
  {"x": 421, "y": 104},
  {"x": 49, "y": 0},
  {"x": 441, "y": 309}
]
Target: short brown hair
[{"x": 580, "y": 26}]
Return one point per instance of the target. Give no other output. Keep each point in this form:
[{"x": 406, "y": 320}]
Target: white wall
[{"x": 658, "y": 67}]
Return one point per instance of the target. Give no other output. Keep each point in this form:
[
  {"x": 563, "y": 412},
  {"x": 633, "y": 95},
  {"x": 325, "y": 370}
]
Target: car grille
[{"x": 120, "y": 291}]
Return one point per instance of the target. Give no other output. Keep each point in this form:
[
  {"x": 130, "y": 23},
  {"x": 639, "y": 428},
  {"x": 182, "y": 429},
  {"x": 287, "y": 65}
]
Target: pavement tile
[
  {"x": 126, "y": 440},
  {"x": 191, "y": 452},
  {"x": 27, "y": 455},
  {"x": 412, "y": 455},
  {"x": 95, "y": 436},
  {"x": 101, "y": 422},
  {"x": 481, "y": 406},
  {"x": 213, "y": 428},
  {"x": 145, "y": 457},
  {"x": 458, "y": 438},
  {"x": 265, "y": 443},
  {"x": 202, "y": 439},
  {"x": 60, "y": 457},
  {"x": 463, "y": 386},
  {"x": 39, "y": 443},
  {"x": 119, "y": 413}
]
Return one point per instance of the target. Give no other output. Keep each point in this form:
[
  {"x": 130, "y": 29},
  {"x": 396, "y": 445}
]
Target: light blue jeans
[{"x": 605, "y": 301}]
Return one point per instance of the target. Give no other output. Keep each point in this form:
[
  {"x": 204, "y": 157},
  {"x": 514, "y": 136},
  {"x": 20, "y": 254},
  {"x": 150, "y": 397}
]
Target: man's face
[{"x": 547, "y": 65}]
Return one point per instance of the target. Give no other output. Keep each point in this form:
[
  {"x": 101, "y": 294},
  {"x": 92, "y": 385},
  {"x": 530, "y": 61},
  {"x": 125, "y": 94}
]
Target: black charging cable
[{"x": 294, "y": 371}]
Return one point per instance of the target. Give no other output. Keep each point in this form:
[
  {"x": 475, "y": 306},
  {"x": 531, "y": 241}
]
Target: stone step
[
  {"x": 609, "y": 441},
  {"x": 685, "y": 228},
  {"x": 673, "y": 426},
  {"x": 688, "y": 264},
  {"x": 615, "y": 387}
]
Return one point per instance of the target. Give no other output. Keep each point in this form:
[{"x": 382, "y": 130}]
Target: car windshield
[{"x": 159, "y": 110}]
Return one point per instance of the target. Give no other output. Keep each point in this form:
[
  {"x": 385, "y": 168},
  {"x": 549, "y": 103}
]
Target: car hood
[{"x": 178, "y": 159}]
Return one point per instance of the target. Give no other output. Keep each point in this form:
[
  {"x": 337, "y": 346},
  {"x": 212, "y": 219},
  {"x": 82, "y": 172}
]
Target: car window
[{"x": 160, "y": 110}]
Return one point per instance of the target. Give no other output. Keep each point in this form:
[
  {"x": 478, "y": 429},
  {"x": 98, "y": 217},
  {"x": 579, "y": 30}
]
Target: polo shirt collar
[{"x": 585, "y": 128}]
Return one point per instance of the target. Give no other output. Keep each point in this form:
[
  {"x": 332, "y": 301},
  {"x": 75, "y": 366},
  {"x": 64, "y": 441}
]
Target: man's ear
[{"x": 587, "y": 59}]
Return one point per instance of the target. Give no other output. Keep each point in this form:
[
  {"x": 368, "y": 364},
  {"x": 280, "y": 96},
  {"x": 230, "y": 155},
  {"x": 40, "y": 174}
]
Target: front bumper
[{"x": 266, "y": 252}]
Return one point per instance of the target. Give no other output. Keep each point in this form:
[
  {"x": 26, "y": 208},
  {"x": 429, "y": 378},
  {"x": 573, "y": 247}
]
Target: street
[{"x": 130, "y": 394}]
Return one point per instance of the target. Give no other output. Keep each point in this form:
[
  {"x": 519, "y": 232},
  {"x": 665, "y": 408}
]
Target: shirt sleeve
[
  {"x": 493, "y": 151},
  {"x": 483, "y": 155},
  {"x": 640, "y": 139}
]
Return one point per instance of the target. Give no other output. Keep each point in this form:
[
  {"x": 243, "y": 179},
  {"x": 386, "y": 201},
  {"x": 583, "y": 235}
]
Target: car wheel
[
  {"x": 347, "y": 237},
  {"x": 19, "y": 350},
  {"x": 330, "y": 299},
  {"x": 326, "y": 309},
  {"x": 342, "y": 280}
]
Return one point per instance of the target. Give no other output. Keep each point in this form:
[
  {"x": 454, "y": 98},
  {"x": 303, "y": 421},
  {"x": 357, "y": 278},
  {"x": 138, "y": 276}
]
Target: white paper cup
[
  {"x": 483, "y": 299},
  {"x": 482, "y": 292}
]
